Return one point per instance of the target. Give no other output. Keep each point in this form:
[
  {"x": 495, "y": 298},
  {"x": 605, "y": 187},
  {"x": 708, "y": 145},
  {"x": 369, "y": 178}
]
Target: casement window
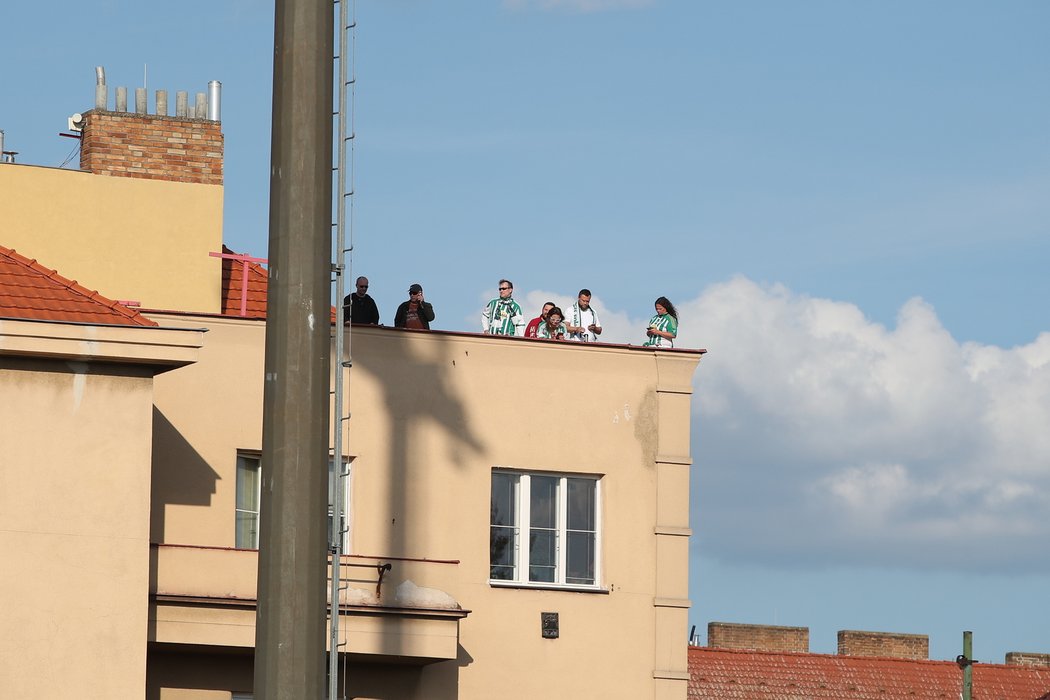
[
  {"x": 249, "y": 484},
  {"x": 544, "y": 529}
]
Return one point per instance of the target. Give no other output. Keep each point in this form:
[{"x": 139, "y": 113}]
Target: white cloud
[
  {"x": 823, "y": 437},
  {"x": 582, "y": 6}
]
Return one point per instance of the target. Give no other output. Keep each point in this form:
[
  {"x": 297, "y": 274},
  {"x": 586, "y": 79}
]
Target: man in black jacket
[
  {"x": 359, "y": 307},
  {"x": 414, "y": 313}
]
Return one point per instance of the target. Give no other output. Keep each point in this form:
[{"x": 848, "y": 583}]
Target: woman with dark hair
[
  {"x": 552, "y": 327},
  {"x": 663, "y": 327}
]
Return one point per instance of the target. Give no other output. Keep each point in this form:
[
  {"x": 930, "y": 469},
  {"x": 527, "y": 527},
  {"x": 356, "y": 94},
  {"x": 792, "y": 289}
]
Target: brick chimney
[
  {"x": 729, "y": 635},
  {"x": 1026, "y": 658},
  {"x": 885, "y": 644},
  {"x": 185, "y": 148}
]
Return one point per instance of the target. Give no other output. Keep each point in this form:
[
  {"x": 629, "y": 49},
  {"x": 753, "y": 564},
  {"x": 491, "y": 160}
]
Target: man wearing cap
[{"x": 414, "y": 313}]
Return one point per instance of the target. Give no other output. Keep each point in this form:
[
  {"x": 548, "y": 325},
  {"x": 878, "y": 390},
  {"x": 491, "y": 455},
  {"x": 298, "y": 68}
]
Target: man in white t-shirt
[{"x": 581, "y": 320}]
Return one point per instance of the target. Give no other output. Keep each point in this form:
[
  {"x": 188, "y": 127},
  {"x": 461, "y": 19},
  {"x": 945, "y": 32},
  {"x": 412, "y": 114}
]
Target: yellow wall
[
  {"x": 76, "y": 431},
  {"x": 74, "y": 516},
  {"x": 129, "y": 239},
  {"x": 433, "y": 413}
]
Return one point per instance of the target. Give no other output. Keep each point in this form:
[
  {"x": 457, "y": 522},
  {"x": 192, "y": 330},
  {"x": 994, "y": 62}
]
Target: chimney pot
[
  {"x": 215, "y": 100},
  {"x": 101, "y": 91}
]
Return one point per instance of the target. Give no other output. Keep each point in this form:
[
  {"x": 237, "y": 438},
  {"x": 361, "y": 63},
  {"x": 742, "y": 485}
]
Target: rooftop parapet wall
[
  {"x": 884, "y": 644},
  {"x": 728, "y": 635},
  {"x": 1026, "y": 658},
  {"x": 153, "y": 147}
]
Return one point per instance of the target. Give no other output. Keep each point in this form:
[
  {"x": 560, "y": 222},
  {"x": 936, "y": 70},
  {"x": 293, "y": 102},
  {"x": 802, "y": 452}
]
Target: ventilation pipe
[
  {"x": 101, "y": 91},
  {"x": 214, "y": 100}
]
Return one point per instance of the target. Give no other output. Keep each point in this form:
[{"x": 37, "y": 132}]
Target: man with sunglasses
[
  {"x": 416, "y": 312},
  {"x": 358, "y": 307},
  {"x": 503, "y": 316}
]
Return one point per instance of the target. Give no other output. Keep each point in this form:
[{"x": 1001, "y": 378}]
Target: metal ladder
[{"x": 342, "y": 266}]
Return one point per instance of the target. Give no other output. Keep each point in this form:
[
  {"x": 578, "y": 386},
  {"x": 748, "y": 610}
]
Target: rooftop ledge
[
  {"x": 164, "y": 348},
  {"x": 369, "y": 328}
]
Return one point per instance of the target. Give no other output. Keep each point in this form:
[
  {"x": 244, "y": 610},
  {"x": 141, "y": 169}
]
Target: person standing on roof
[
  {"x": 358, "y": 307},
  {"x": 663, "y": 327},
  {"x": 416, "y": 312},
  {"x": 581, "y": 319},
  {"x": 503, "y": 316}
]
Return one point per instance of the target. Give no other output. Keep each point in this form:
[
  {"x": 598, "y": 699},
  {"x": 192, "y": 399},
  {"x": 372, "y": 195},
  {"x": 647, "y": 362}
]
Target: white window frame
[
  {"x": 249, "y": 457},
  {"x": 250, "y": 460},
  {"x": 522, "y": 527}
]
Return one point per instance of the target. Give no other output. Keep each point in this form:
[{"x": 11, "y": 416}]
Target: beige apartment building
[{"x": 503, "y": 542}]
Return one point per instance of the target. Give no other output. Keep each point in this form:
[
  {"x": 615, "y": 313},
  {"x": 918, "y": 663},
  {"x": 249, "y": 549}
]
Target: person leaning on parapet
[
  {"x": 503, "y": 316},
  {"x": 358, "y": 307},
  {"x": 534, "y": 324},
  {"x": 416, "y": 312},
  {"x": 581, "y": 319},
  {"x": 552, "y": 327}
]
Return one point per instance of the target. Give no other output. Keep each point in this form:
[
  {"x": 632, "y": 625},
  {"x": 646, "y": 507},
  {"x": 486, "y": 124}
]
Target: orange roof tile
[
  {"x": 730, "y": 674},
  {"x": 28, "y": 290},
  {"x": 233, "y": 282}
]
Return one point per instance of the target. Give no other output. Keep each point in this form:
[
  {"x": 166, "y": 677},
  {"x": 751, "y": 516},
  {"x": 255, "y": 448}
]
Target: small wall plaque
[{"x": 549, "y": 625}]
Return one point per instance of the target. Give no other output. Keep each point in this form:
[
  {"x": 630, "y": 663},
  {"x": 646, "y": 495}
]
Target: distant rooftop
[{"x": 735, "y": 674}]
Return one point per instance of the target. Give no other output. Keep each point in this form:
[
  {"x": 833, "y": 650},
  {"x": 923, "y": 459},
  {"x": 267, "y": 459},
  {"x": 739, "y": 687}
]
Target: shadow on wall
[
  {"x": 178, "y": 472},
  {"x": 419, "y": 387},
  {"x": 192, "y": 671}
]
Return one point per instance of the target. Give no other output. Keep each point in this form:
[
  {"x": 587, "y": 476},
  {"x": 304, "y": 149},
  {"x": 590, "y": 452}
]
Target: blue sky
[{"x": 847, "y": 201}]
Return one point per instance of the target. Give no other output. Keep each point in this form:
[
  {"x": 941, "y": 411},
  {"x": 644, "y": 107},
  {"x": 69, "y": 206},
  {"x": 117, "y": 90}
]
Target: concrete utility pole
[
  {"x": 965, "y": 662},
  {"x": 290, "y": 623}
]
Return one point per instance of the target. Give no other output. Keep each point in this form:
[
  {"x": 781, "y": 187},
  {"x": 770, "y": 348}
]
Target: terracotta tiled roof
[
  {"x": 232, "y": 284},
  {"x": 729, "y": 674},
  {"x": 28, "y": 290}
]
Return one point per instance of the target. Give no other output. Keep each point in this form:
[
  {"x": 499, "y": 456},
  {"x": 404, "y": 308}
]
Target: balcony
[{"x": 206, "y": 597}]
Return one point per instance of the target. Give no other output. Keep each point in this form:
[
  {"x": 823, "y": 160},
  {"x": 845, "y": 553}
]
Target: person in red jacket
[{"x": 534, "y": 324}]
